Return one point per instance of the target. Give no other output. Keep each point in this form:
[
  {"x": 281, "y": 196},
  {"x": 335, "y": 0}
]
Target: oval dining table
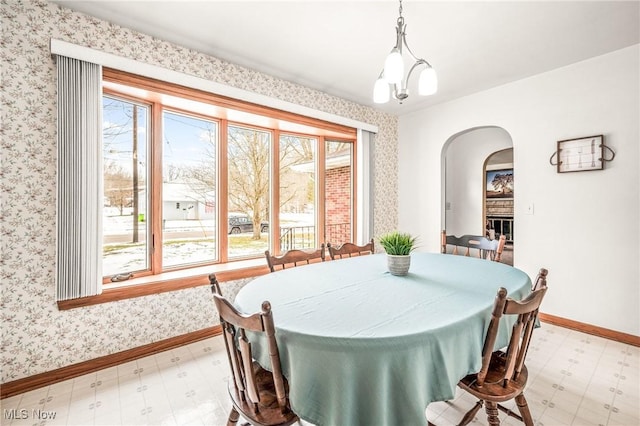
[{"x": 360, "y": 346}]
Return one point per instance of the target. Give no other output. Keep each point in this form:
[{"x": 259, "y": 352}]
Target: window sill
[{"x": 170, "y": 281}]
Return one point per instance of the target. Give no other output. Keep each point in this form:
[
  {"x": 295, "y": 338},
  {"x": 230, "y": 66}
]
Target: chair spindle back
[
  {"x": 350, "y": 250},
  {"x": 234, "y": 327},
  {"x": 486, "y": 248},
  {"x": 294, "y": 258},
  {"x": 522, "y": 330}
]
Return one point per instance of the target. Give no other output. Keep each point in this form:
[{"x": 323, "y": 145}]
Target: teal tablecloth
[{"x": 360, "y": 346}]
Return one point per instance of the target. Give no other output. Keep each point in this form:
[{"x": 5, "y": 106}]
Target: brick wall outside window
[{"x": 338, "y": 205}]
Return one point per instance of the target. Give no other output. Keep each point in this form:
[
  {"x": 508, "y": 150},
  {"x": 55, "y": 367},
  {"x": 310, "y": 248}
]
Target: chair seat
[
  {"x": 493, "y": 389},
  {"x": 269, "y": 413}
]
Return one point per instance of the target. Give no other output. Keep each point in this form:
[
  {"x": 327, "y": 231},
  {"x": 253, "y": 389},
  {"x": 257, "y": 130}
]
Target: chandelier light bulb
[
  {"x": 394, "y": 67},
  {"x": 381, "y": 91},
  {"x": 428, "y": 82}
]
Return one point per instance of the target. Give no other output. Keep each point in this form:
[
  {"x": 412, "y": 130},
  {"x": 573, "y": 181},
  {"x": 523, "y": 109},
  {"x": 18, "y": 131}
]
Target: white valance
[{"x": 109, "y": 60}]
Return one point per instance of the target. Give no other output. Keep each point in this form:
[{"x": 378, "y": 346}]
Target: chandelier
[{"x": 393, "y": 71}]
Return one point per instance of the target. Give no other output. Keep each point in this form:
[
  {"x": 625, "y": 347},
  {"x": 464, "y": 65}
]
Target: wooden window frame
[{"x": 157, "y": 281}]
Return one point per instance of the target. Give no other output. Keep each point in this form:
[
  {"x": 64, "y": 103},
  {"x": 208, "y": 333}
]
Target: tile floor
[{"x": 574, "y": 379}]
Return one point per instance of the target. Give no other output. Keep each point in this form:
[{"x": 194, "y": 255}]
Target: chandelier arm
[
  {"x": 414, "y": 57},
  {"x": 417, "y": 64},
  {"x": 400, "y": 34}
]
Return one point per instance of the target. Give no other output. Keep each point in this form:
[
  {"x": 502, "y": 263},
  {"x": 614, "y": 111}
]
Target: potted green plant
[{"x": 398, "y": 246}]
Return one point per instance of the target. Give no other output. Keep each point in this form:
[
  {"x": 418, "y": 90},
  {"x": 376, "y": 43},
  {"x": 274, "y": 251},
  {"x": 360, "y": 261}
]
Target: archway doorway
[
  {"x": 464, "y": 159},
  {"x": 498, "y": 199}
]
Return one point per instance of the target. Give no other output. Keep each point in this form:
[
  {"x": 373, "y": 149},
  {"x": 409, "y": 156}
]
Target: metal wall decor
[{"x": 582, "y": 154}]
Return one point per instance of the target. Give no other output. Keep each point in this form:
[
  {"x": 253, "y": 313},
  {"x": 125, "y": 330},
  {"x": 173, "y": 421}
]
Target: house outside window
[{"x": 177, "y": 161}]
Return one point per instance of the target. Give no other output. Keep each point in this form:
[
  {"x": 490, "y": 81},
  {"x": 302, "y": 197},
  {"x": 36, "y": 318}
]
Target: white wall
[
  {"x": 465, "y": 155},
  {"x": 585, "y": 226}
]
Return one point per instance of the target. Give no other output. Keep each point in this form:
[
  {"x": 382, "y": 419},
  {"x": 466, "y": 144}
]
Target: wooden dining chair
[
  {"x": 482, "y": 246},
  {"x": 541, "y": 280},
  {"x": 350, "y": 250},
  {"x": 294, "y": 258},
  {"x": 503, "y": 375},
  {"x": 259, "y": 395},
  {"x": 215, "y": 285}
]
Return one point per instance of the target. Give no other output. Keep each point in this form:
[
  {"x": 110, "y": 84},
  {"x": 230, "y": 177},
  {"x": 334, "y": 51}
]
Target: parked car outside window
[{"x": 239, "y": 223}]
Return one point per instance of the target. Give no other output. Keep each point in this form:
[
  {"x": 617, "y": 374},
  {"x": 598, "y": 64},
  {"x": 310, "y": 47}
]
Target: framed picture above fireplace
[{"x": 499, "y": 184}]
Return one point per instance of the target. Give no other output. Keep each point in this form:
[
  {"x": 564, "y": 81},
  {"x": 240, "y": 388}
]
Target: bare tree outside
[
  {"x": 199, "y": 173},
  {"x": 297, "y": 184},
  {"x": 248, "y": 152},
  {"x": 117, "y": 186},
  {"x": 202, "y": 177},
  {"x": 189, "y": 173},
  {"x": 297, "y": 188}
]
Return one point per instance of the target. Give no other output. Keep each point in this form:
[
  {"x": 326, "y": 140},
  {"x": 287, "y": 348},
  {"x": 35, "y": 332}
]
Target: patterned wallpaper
[{"x": 36, "y": 337}]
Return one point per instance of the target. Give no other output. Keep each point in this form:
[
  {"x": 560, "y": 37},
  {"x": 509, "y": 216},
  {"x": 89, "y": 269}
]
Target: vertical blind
[
  {"x": 79, "y": 183},
  {"x": 365, "y": 182}
]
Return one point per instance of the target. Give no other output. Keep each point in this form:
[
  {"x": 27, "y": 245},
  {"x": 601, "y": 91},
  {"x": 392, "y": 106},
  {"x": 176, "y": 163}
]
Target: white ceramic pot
[{"x": 398, "y": 265}]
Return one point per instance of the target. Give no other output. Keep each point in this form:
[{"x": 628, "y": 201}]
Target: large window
[{"x": 192, "y": 179}]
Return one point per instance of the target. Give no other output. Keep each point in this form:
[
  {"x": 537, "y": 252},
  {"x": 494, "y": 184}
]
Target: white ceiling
[{"x": 339, "y": 47}]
